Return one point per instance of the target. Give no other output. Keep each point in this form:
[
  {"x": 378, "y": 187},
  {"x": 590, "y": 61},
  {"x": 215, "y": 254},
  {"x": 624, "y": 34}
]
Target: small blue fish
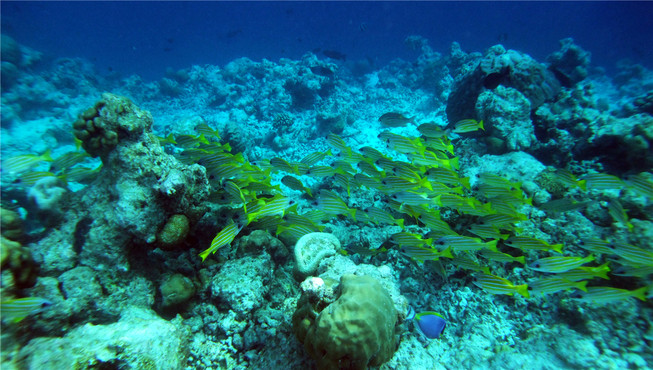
[{"x": 430, "y": 323}]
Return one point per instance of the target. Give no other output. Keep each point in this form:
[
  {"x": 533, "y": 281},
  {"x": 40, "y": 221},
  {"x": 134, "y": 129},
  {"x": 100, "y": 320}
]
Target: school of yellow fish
[{"x": 417, "y": 184}]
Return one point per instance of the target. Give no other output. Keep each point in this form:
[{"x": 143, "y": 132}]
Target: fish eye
[
  {"x": 581, "y": 242},
  {"x": 612, "y": 246},
  {"x": 291, "y": 202},
  {"x": 536, "y": 265}
]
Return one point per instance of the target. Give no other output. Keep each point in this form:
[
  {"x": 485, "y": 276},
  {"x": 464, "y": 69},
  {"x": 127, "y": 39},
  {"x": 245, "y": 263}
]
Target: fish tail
[
  {"x": 523, "y": 290},
  {"x": 424, "y": 182},
  {"x": 582, "y": 285},
  {"x": 446, "y": 253},
  {"x": 640, "y": 293},
  {"x": 603, "y": 271},
  {"x": 480, "y": 125},
  {"x": 205, "y": 254},
  {"x": 492, "y": 245},
  {"x": 556, "y": 247},
  {"x": 521, "y": 260},
  {"x": 352, "y": 213},
  {"x": 399, "y": 222},
  {"x": 47, "y": 155}
]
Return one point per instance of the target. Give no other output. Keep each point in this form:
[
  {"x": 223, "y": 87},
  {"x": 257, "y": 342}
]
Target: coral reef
[
  {"x": 139, "y": 340},
  {"x": 311, "y": 249},
  {"x": 134, "y": 214},
  {"x": 174, "y": 232},
  {"x": 570, "y": 63},
  {"x": 11, "y": 224},
  {"x": 49, "y": 197},
  {"x": 17, "y": 260},
  {"x": 506, "y": 114},
  {"x": 357, "y": 330},
  {"x": 499, "y": 66},
  {"x": 176, "y": 290}
]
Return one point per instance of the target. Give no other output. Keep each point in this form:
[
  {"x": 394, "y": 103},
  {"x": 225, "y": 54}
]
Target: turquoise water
[{"x": 191, "y": 185}]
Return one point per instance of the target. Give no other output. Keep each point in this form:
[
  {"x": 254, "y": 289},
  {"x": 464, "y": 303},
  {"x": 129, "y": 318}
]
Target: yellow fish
[
  {"x": 224, "y": 237},
  {"x": 392, "y": 119},
  {"x": 467, "y": 125}
]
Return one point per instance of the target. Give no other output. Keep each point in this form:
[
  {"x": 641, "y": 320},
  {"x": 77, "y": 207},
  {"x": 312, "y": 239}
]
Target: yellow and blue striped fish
[
  {"x": 276, "y": 206},
  {"x": 224, "y": 237},
  {"x": 558, "y": 264},
  {"x": 404, "y": 239},
  {"x": 616, "y": 210},
  {"x": 642, "y": 184},
  {"x": 550, "y": 285},
  {"x": 605, "y": 294},
  {"x": 338, "y": 143},
  {"x": 379, "y": 216},
  {"x": 332, "y": 204},
  {"x": 498, "y": 285},
  {"x": 22, "y": 163},
  {"x": 431, "y": 130},
  {"x": 460, "y": 243},
  {"x": 502, "y": 257},
  {"x": 372, "y": 154},
  {"x": 468, "y": 125},
  {"x": 315, "y": 157},
  {"x": 596, "y": 245},
  {"x": 567, "y": 178},
  {"x": 526, "y": 243},
  {"x": 465, "y": 261},
  {"x": 602, "y": 181},
  {"x": 15, "y": 310},
  {"x": 422, "y": 254},
  {"x": 68, "y": 160},
  {"x": 32, "y": 177},
  {"x": 295, "y": 184},
  {"x": 587, "y": 273},
  {"x": 629, "y": 254}
]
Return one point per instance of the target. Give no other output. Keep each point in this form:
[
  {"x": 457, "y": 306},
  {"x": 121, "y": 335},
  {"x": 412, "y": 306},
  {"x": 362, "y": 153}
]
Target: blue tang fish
[{"x": 430, "y": 323}]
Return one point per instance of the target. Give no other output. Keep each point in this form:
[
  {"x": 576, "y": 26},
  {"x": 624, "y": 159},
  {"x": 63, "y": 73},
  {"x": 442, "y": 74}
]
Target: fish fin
[
  {"x": 582, "y": 285},
  {"x": 640, "y": 293},
  {"x": 446, "y": 253},
  {"x": 47, "y": 156},
  {"x": 521, "y": 259},
  {"x": 400, "y": 222},
  {"x": 556, "y": 247},
  {"x": 205, "y": 254},
  {"x": 523, "y": 290},
  {"x": 492, "y": 245}
]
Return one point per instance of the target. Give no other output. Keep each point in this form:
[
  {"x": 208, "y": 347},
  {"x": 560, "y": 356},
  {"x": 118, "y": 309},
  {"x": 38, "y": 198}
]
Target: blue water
[{"x": 145, "y": 38}]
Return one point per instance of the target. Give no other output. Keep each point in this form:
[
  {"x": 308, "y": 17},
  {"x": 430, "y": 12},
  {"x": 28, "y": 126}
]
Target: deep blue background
[{"x": 147, "y": 37}]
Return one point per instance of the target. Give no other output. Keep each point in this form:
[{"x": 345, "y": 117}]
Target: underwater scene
[{"x": 315, "y": 185}]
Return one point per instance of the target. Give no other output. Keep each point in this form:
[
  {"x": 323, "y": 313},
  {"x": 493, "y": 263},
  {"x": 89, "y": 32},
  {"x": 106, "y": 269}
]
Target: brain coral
[{"x": 355, "y": 331}]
